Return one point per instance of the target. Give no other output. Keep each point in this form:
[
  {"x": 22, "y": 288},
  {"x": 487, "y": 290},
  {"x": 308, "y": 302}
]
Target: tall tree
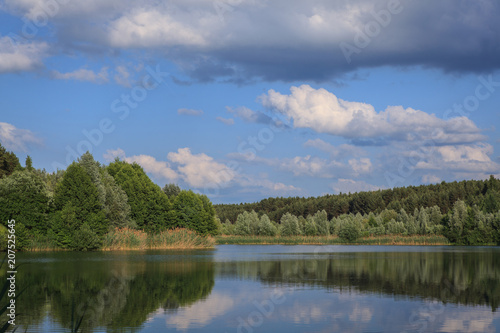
[
  {"x": 24, "y": 197},
  {"x": 77, "y": 202},
  {"x": 171, "y": 190},
  {"x": 8, "y": 162},
  {"x": 150, "y": 207}
]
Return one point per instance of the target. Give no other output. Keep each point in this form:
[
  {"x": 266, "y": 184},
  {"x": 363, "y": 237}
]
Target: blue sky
[{"x": 247, "y": 99}]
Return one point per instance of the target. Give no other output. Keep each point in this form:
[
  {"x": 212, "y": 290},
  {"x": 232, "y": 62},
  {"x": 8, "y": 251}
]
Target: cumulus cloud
[
  {"x": 361, "y": 166},
  {"x": 190, "y": 112},
  {"x": 18, "y": 56},
  {"x": 323, "y": 112},
  {"x": 201, "y": 170},
  {"x": 309, "y": 166},
  {"x": 460, "y": 158},
  {"x": 84, "y": 74},
  {"x": 351, "y": 185},
  {"x": 13, "y": 138},
  {"x": 160, "y": 169}
]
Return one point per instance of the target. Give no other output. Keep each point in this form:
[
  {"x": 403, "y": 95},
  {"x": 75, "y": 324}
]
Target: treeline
[
  {"x": 76, "y": 207},
  {"x": 461, "y": 225},
  {"x": 484, "y": 194}
]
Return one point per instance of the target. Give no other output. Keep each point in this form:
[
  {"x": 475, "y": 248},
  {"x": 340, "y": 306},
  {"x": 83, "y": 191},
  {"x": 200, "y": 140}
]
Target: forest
[
  {"x": 466, "y": 213},
  {"x": 79, "y": 207}
]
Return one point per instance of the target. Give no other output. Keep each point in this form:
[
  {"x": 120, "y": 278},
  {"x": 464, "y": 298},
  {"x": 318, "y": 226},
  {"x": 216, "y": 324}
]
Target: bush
[
  {"x": 349, "y": 231},
  {"x": 84, "y": 239}
]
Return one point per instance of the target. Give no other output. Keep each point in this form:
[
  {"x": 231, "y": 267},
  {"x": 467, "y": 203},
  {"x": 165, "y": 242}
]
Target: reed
[
  {"x": 131, "y": 239},
  {"x": 334, "y": 240}
]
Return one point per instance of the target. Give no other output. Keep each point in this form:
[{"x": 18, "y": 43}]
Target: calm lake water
[{"x": 269, "y": 288}]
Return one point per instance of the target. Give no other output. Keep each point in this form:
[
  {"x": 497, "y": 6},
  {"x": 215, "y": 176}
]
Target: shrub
[{"x": 349, "y": 231}]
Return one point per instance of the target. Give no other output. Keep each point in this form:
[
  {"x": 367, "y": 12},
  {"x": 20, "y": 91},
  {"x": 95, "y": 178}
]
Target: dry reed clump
[{"x": 131, "y": 239}]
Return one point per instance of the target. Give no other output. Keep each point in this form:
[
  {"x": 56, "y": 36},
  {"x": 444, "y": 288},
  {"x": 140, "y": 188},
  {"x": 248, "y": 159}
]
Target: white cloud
[
  {"x": 13, "y": 138},
  {"x": 321, "y": 111},
  {"x": 157, "y": 168},
  {"x": 351, "y": 185},
  {"x": 149, "y": 27},
  {"x": 361, "y": 166},
  {"x": 460, "y": 158},
  {"x": 430, "y": 179},
  {"x": 20, "y": 56},
  {"x": 201, "y": 170},
  {"x": 200, "y": 313},
  {"x": 83, "y": 74},
  {"x": 227, "y": 121},
  {"x": 190, "y": 112},
  {"x": 310, "y": 166}
]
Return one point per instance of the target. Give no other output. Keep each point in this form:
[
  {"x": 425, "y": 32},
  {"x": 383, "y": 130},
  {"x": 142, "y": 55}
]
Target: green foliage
[
  {"x": 310, "y": 228},
  {"x": 247, "y": 224},
  {"x": 393, "y": 227},
  {"x": 388, "y": 202},
  {"x": 84, "y": 239},
  {"x": 265, "y": 227},
  {"x": 78, "y": 194},
  {"x": 150, "y": 207},
  {"x": 195, "y": 212},
  {"x": 29, "y": 163},
  {"x": 8, "y": 162},
  {"x": 171, "y": 190},
  {"x": 349, "y": 230},
  {"x": 321, "y": 222},
  {"x": 289, "y": 225},
  {"x": 24, "y": 197}
]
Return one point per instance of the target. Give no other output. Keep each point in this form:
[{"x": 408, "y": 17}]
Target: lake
[{"x": 263, "y": 288}]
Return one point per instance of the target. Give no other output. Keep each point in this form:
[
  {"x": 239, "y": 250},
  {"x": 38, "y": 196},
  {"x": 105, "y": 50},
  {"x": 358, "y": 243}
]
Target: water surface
[{"x": 270, "y": 288}]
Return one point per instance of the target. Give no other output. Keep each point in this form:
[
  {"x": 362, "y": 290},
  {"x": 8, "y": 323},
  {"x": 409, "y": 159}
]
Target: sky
[{"x": 247, "y": 99}]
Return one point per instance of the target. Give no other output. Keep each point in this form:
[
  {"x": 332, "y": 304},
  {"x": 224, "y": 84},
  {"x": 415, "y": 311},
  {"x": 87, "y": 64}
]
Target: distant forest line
[{"x": 466, "y": 213}]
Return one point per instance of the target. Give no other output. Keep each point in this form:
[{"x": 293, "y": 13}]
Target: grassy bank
[{"x": 334, "y": 240}]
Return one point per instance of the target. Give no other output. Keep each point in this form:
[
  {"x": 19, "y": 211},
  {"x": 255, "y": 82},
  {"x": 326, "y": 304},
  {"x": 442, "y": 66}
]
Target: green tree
[
  {"x": 289, "y": 225},
  {"x": 77, "y": 200},
  {"x": 310, "y": 227},
  {"x": 265, "y": 227},
  {"x": 150, "y": 207},
  {"x": 195, "y": 212},
  {"x": 113, "y": 199},
  {"x": 171, "y": 190},
  {"x": 321, "y": 221},
  {"x": 8, "y": 162},
  {"x": 29, "y": 163},
  {"x": 25, "y": 198}
]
